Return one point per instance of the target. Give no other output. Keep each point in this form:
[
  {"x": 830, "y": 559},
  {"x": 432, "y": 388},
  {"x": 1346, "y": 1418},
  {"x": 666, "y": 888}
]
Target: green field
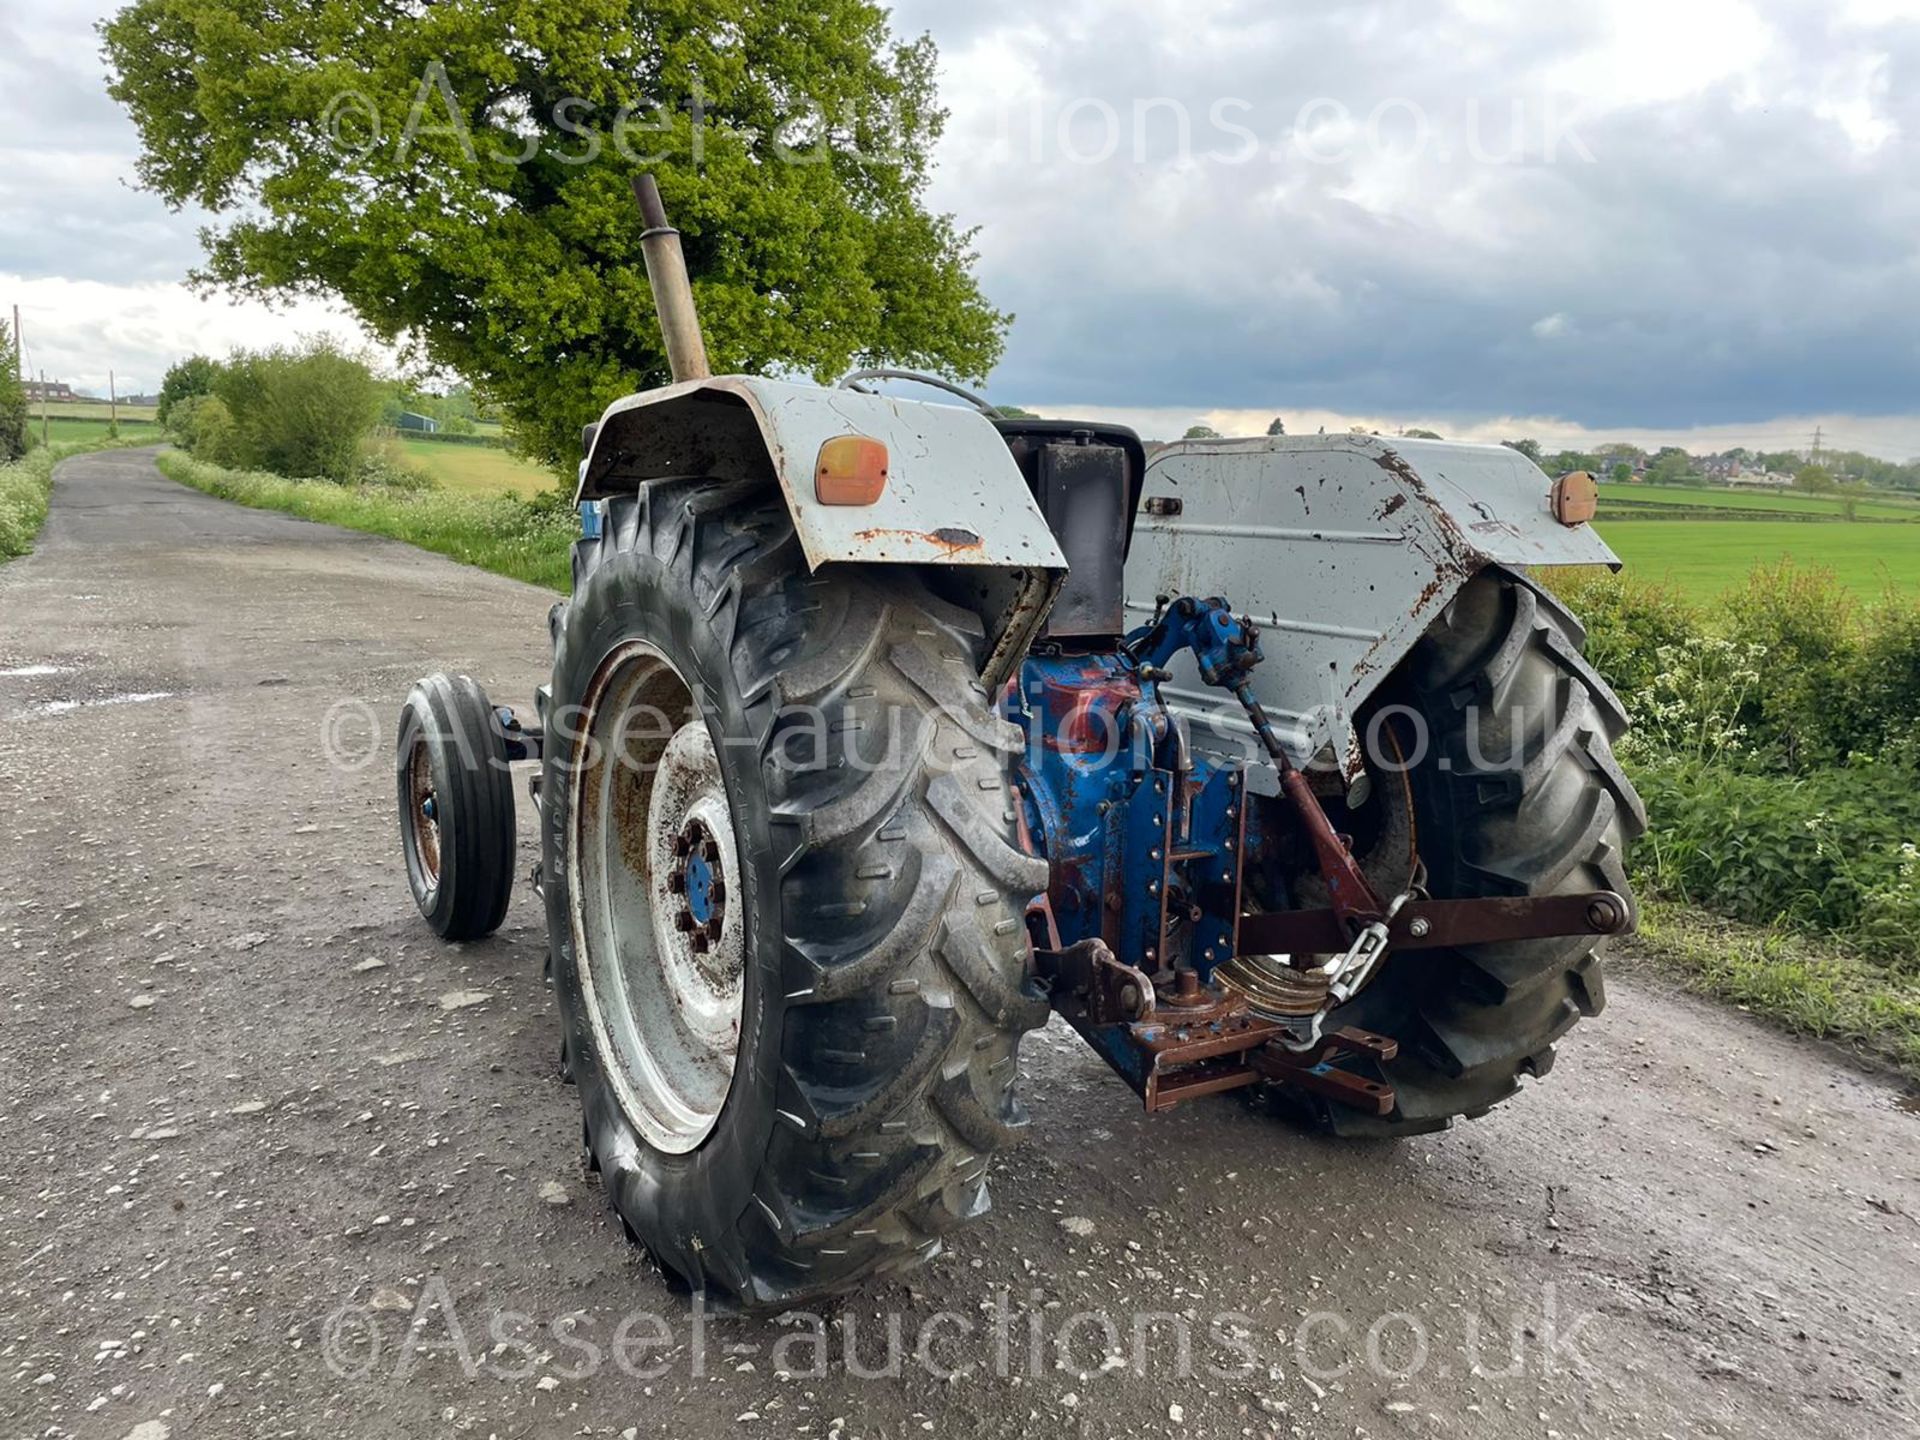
[
  {"x": 1701, "y": 558},
  {"x": 61, "y": 429},
  {"x": 476, "y": 469},
  {"x": 1786, "y": 502},
  {"x": 84, "y": 409}
]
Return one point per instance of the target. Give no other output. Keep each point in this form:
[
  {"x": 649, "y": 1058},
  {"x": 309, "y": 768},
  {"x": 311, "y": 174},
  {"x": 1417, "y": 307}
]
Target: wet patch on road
[{"x": 63, "y": 707}]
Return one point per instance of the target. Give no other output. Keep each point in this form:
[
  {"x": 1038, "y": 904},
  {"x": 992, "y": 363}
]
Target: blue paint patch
[
  {"x": 1145, "y": 840},
  {"x": 699, "y": 888}
]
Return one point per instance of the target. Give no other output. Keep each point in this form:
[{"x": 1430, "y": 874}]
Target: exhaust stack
[{"x": 672, "y": 293}]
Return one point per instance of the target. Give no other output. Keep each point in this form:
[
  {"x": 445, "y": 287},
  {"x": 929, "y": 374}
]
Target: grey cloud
[
  {"x": 1722, "y": 259},
  {"x": 66, "y": 156},
  {"x": 1726, "y": 256}
]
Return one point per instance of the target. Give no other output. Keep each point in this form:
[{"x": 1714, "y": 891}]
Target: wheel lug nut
[
  {"x": 699, "y": 943},
  {"x": 677, "y": 882},
  {"x": 683, "y": 922},
  {"x": 717, "y": 891}
]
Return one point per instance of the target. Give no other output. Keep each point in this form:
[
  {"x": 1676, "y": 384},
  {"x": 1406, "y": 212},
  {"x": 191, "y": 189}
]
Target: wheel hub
[
  {"x": 424, "y": 820},
  {"x": 700, "y": 886},
  {"x": 651, "y": 853}
]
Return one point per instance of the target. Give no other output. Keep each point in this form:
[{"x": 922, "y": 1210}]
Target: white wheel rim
[{"x": 661, "y": 949}]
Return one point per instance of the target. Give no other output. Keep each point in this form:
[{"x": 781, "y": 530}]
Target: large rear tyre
[
  {"x": 1516, "y": 792},
  {"x": 455, "y": 796},
  {"x": 784, "y": 896}
]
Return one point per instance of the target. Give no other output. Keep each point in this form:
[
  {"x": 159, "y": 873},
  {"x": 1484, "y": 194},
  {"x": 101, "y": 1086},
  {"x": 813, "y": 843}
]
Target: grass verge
[
  {"x": 525, "y": 540},
  {"x": 1807, "y": 986},
  {"x": 26, "y": 483}
]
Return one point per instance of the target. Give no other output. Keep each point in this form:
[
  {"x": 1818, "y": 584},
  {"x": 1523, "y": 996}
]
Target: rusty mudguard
[{"x": 953, "y": 495}]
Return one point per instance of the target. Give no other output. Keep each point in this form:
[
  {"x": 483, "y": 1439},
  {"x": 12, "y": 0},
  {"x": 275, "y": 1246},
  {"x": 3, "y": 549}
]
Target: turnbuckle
[{"x": 1348, "y": 974}]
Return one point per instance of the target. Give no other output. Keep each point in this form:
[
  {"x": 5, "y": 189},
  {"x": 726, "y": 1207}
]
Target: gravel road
[{"x": 273, "y": 1162}]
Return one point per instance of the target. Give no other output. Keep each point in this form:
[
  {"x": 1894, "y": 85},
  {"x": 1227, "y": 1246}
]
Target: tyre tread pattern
[
  {"x": 476, "y": 796},
  {"x": 1530, "y": 801}
]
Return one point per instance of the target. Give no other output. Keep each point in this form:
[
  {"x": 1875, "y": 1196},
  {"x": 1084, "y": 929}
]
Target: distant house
[
  {"x": 418, "y": 424},
  {"x": 1761, "y": 480},
  {"x": 38, "y": 390}
]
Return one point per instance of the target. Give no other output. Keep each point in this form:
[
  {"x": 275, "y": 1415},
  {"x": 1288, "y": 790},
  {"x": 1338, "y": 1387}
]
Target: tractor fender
[
  {"x": 954, "y": 500},
  {"x": 1343, "y": 549},
  {"x": 953, "y": 494}
]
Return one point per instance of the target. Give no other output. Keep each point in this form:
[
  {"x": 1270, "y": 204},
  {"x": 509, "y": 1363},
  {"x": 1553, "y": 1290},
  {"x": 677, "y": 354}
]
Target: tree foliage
[
  {"x": 458, "y": 175},
  {"x": 1201, "y": 432},
  {"x": 183, "y": 380},
  {"x": 13, "y": 402},
  {"x": 301, "y": 411},
  {"x": 1566, "y": 461},
  {"x": 1672, "y": 466},
  {"x": 1277, "y": 426}
]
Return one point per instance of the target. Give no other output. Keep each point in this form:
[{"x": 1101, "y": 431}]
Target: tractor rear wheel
[
  {"x": 1515, "y": 792},
  {"x": 785, "y": 898}
]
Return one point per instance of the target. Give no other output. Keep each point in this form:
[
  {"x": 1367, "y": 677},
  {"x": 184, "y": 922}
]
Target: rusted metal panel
[
  {"x": 1318, "y": 1072},
  {"x": 1343, "y": 549},
  {"x": 953, "y": 495}
]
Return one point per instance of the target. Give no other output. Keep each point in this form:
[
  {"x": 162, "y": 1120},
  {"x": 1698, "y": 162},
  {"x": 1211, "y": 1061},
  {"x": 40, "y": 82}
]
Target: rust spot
[
  {"x": 1392, "y": 505},
  {"x": 1390, "y": 461},
  {"x": 951, "y": 540}
]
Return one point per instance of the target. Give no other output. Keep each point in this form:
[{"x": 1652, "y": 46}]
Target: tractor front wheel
[{"x": 456, "y": 807}]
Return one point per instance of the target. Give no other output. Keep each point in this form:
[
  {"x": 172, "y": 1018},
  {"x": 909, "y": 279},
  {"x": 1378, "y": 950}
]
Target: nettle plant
[{"x": 1886, "y": 881}]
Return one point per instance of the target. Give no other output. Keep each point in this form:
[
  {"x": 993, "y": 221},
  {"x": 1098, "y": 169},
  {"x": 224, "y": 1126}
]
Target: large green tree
[{"x": 458, "y": 174}]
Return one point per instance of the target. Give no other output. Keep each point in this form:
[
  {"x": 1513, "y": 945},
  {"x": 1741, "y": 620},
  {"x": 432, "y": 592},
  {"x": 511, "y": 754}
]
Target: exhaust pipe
[{"x": 672, "y": 293}]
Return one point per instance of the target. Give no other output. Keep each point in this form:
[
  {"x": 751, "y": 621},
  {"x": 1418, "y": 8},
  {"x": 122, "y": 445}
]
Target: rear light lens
[
  {"x": 1575, "y": 498},
  {"x": 851, "y": 470}
]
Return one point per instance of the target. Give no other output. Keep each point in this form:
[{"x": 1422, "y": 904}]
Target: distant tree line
[{"x": 1840, "y": 472}]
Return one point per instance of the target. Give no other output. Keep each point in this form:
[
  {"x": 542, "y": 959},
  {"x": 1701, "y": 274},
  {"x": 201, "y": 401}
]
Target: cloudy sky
[{"x": 1652, "y": 219}]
